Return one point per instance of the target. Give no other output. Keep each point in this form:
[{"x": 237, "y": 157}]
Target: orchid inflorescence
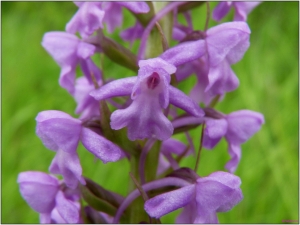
[{"x": 147, "y": 111}]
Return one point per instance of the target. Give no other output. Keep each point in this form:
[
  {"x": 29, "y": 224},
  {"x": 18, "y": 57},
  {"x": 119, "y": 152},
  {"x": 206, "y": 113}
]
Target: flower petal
[
  {"x": 136, "y": 7},
  {"x": 221, "y": 79},
  {"x": 184, "y": 52},
  {"x": 68, "y": 165},
  {"x": 58, "y": 130},
  {"x": 180, "y": 100},
  {"x": 144, "y": 119},
  {"x": 219, "y": 191},
  {"x": 227, "y": 38},
  {"x": 113, "y": 15},
  {"x": 39, "y": 190},
  {"x": 169, "y": 201},
  {"x": 221, "y": 10},
  {"x": 67, "y": 209},
  {"x": 61, "y": 46},
  {"x": 87, "y": 19},
  {"x": 242, "y": 9},
  {"x": 100, "y": 147},
  {"x": 235, "y": 153},
  {"x": 242, "y": 125},
  {"x": 158, "y": 63},
  {"x": 120, "y": 87},
  {"x": 215, "y": 129}
]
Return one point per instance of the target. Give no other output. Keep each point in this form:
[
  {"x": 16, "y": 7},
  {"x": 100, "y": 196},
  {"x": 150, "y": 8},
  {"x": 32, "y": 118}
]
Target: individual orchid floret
[
  {"x": 242, "y": 9},
  {"x": 236, "y": 127},
  {"x": 44, "y": 194},
  {"x": 218, "y": 48},
  {"x": 92, "y": 15},
  {"x": 88, "y": 18},
  {"x": 69, "y": 51},
  {"x": 201, "y": 200},
  {"x": 151, "y": 93},
  {"x": 61, "y": 133}
]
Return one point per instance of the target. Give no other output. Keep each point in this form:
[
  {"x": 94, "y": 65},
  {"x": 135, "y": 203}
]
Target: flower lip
[{"x": 153, "y": 80}]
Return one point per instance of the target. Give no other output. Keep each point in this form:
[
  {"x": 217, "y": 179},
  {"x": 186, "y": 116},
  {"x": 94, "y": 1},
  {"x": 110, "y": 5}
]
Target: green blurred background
[{"x": 269, "y": 84}]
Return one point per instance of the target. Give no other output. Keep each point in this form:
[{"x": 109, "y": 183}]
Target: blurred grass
[{"x": 269, "y": 84}]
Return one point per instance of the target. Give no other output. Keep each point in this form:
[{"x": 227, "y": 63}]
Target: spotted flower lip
[
  {"x": 150, "y": 92},
  {"x": 218, "y": 192}
]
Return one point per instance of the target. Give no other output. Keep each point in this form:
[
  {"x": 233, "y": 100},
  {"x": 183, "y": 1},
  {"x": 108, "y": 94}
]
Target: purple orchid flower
[
  {"x": 222, "y": 46},
  {"x": 69, "y": 51},
  {"x": 91, "y": 16},
  {"x": 61, "y": 133},
  {"x": 237, "y": 127},
  {"x": 242, "y": 9},
  {"x": 151, "y": 93},
  {"x": 43, "y": 193},
  {"x": 218, "y": 192}
]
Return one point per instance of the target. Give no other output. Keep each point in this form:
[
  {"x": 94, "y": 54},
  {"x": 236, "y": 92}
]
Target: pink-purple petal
[
  {"x": 242, "y": 125},
  {"x": 87, "y": 19},
  {"x": 67, "y": 209},
  {"x": 61, "y": 132},
  {"x": 221, "y": 79},
  {"x": 136, "y": 7},
  {"x": 181, "y": 100},
  {"x": 120, "y": 87},
  {"x": 39, "y": 190},
  {"x": 68, "y": 165},
  {"x": 100, "y": 147},
  {"x": 169, "y": 201},
  {"x": 144, "y": 119},
  {"x": 215, "y": 129},
  {"x": 223, "y": 39},
  {"x": 235, "y": 153},
  {"x": 158, "y": 63},
  {"x": 242, "y": 9},
  {"x": 184, "y": 52},
  {"x": 221, "y": 10},
  {"x": 219, "y": 191}
]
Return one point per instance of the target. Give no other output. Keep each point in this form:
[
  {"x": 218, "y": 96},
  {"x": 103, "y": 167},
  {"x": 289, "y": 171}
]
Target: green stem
[{"x": 200, "y": 148}]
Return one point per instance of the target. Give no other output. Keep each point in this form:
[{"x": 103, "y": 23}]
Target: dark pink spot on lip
[{"x": 153, "y": 80}]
